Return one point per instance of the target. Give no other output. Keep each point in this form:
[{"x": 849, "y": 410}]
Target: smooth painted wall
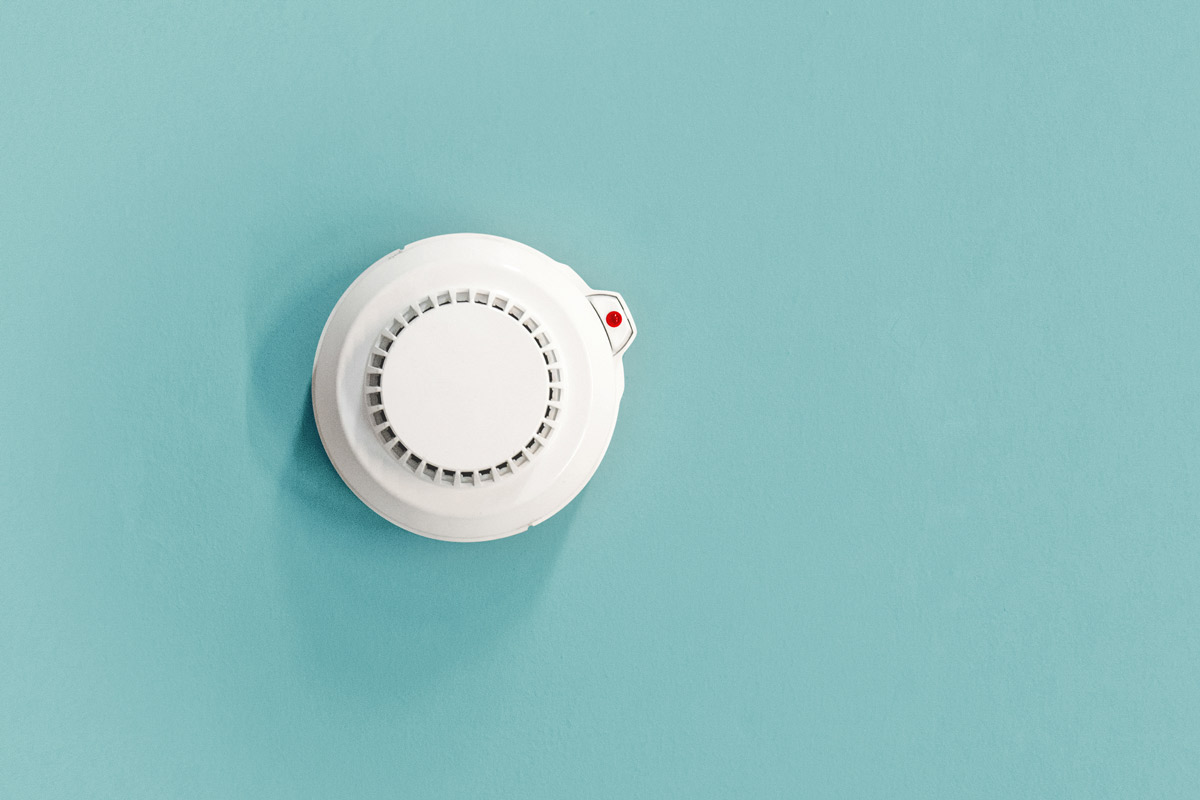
[{"x": 903, "y": 501}]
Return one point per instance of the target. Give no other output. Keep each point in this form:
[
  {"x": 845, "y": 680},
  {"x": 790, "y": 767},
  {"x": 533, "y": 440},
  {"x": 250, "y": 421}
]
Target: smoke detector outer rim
[{"x": 593, "y": 383}]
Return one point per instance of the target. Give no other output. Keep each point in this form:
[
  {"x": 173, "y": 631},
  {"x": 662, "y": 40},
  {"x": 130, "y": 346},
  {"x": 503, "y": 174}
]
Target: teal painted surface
[{"x": 903, "y": 500}]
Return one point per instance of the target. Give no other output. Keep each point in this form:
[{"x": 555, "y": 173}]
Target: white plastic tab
[{"x": 614, "y": 316}]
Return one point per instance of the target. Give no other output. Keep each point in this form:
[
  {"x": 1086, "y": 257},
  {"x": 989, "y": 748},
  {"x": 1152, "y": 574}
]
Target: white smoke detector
[{"x": 466, "y": 386}]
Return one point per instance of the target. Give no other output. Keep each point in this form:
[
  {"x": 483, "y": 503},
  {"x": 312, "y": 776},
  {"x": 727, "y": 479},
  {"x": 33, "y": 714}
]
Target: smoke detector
[{"x": 466, "y": 386}]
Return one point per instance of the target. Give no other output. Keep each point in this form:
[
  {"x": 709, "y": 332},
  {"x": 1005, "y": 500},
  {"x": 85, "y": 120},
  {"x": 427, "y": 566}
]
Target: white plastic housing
[{"x": 466, "y": 386}]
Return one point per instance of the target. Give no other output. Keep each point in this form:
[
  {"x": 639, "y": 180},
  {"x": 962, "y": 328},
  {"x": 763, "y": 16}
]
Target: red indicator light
[{"x": 613, "y": 319}]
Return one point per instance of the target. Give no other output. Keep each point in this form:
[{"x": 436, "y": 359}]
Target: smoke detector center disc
[{"x": 465, "y": 386}]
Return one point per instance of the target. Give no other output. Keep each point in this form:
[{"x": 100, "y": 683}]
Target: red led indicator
[{"x": 613, "y": 319}]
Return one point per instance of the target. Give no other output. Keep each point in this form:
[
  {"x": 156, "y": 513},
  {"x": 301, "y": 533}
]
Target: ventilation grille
[{"x": 413, "y": 462}]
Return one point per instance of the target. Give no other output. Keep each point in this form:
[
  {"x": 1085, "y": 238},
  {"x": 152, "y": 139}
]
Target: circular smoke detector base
[{"x": 466, "y": 386}]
